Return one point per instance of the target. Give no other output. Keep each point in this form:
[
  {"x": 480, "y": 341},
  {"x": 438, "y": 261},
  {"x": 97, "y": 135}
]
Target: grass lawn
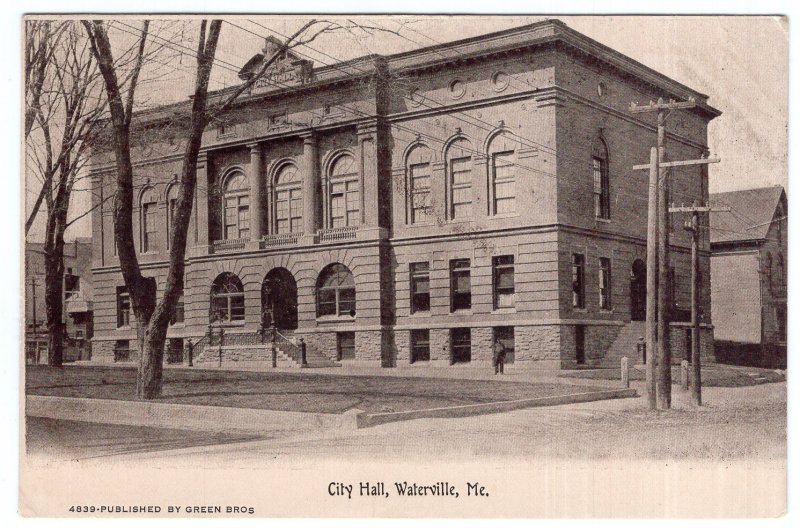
[
  {"x": 284, "y": 391},
  {"x": 712, "y": 376}
]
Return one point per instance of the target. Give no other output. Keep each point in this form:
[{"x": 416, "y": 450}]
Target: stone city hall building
[{"x": 415, "y": 208}]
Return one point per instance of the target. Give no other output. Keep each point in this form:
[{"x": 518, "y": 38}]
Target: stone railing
[
  {"x": 223, "y": 246},
  {"x": 336, "y": 234},
  {"x": 282, "y": 239}
]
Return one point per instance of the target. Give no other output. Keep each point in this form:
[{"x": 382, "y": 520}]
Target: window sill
[
  {"x": 420, "y": 314},
  {"x": 178, "y": 325},
  {"x": 505, "y": 215},
  {"x": 126, "y": 327},
  {"x": 609, "y": 311},
  {"x": 335, "y": 319},
  {"x": 602, "y": 220},
  {"x": 580, "y": 310},
  {"x": 233, "y": 324},
  {"x": 508, "y": 310},
  {"x": 465, "y": 311}
]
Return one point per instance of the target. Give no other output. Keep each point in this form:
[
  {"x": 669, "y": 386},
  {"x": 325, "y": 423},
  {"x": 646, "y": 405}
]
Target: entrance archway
[
  {"x": 279, "y": 300},
  {"x": 638, "y": 290}
]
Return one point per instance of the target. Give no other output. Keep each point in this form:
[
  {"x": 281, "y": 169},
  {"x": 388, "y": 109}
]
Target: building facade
[
  {"x": 749, "y": 274},
  {"x": 416, "y": 208},
  {"x": 78, "y": 309}
]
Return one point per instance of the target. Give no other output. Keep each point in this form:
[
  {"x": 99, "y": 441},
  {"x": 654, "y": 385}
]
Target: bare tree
[{"x": 152, "y": 313}]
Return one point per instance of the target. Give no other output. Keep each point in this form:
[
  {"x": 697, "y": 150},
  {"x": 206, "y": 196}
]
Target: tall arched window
[
  {"x": 236, "y": 207},
  {"x": 227, "y": 299},
  {"x": 345, "y": 199},
  {"x": 459, "y": 179},
  {"x": 288, "y": 200},
  {"x": 336, "y": 291},
  {"x": 781, "y": 272},
  {"x": 148, "y": 211},
  {"x": 418, "y": 170},
  {"x": 172, "y": 206},
  {"x": 602, "y": 199},
  {"x": 503, "y": 188}
]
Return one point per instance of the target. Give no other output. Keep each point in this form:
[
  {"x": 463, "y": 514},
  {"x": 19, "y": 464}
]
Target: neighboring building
[
  {"x": 77, "y": 314},
  {"x": 749, "y": 272},
  {"x": 415, "y": 208}
]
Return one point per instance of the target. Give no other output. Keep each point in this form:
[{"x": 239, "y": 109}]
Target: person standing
[
  {"x": 499, "y": 357},
  {"x": 303, "y": 363}
]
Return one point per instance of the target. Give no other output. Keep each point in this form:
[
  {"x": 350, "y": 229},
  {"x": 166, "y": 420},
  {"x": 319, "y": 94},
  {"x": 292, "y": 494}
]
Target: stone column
[
  {"x": 311, "y": 184},
  {"x": 480, "y": 188},
  {"x": 198, "y": 233},
  {"x": 256, "y": 193},
  {"x": 370, "y": 192}
]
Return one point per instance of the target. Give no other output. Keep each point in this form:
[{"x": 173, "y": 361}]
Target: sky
[{"x": 745, "y": 78}]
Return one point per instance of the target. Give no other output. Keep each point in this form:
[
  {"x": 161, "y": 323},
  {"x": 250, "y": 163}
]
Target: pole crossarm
[
  {"x": 700, "y": 209},
  {"x": 661, "y": 105},
  {"x": 684, "y": 163}
]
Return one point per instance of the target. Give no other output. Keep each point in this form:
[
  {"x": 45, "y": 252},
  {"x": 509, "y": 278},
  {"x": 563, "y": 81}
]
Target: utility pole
[
  {"x": 652, "y": 280},
  {"x": 693, "y": 225},
  {"x": 659, "y": 263}
]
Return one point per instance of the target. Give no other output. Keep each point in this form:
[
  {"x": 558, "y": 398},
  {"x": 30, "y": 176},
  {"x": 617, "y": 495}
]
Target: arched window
[
  {"x": 236, "y": 207},
  {"x": 172, "y": 207},
  {"x": 503, "y": 188},
  {"x": 418, "y": 170},
  {"x": 336, "y": 291},
  {"x": 288, "y": 200},
  {"x": 602, "y": 200},
  {"x": 781, "y": 272},
  {"x": 227, "y": 299},
  {"x": 345, "y": 199},
  {"x": 459, "y": 179},
  {"x": 148, "y": 211}
]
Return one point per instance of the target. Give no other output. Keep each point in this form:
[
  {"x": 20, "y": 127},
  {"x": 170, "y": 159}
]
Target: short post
[
  {"x": 626, "y": 381},
  {"x": 188, "y": 352},
  {"x": 641, "y": 350},
  {"x": 685, "y": 375},
  {"x": 221, "y": 342},
  {"x": 274, "y": 350},
  {"x": 303, "y": 362}
]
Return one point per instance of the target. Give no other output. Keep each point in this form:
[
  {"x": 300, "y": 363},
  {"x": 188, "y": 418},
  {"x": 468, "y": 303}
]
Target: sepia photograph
[{"x": 403, "y": 265}]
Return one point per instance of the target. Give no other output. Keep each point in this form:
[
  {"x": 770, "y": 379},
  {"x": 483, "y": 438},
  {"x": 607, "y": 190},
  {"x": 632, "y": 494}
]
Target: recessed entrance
[
  {"x": 279, "y": 300},
  {"x": 638, "y": 290}
]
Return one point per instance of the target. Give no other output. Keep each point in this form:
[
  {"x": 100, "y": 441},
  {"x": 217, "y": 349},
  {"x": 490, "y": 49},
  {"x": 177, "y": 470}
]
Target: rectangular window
[
  {"x": 420, "y": 192},
  {"x": 122, "y": 350},
  {"x": 505, "y": 336},
  {"x": 420, "y": 345},
  {"x": 461, "y": 186},
  {"x": 460, "y": 287},
  {"x": 505, "y": 187},
  {"x": 178, "y": 315},
  {"x": 123, "y": 307},
  {"x": 578, "y": 286},
  {"x": 237, "y": 217},
  {"x": 503, "y": 271},
  {"x": 420, "y": 287},
  {"x": 780, "y": 318},
  {"x": 344, "y": 204},
  {"x": 602, "y": 206},
  {"x": 604, "y": 283},
  {"x": 460, "y": 345},
  {"x": 149, "y": 229},
  {"x": 345, "y": 345},
  {"x": 289, "y": 211},
  {"x": 327, "y": 301}
]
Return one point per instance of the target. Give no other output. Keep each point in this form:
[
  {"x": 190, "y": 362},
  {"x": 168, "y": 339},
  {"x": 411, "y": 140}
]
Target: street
[{"x": 734, "y": 424}]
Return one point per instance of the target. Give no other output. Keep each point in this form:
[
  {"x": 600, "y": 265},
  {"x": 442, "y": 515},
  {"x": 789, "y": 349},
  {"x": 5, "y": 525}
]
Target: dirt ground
[
  {"x": 735, "y": 424},
  {"x": 286, "y": 391}
]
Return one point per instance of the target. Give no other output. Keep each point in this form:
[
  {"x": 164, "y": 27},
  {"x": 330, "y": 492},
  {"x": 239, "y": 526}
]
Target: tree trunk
[{"x": 54, "y": 303}]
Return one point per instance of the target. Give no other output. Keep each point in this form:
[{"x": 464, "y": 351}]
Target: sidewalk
[{"x": 512, "y": 374}]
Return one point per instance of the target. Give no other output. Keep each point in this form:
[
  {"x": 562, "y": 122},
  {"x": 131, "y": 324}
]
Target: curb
[
  {"x": 177, "y": 416},
  {"x": 370, "y": 420}
]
